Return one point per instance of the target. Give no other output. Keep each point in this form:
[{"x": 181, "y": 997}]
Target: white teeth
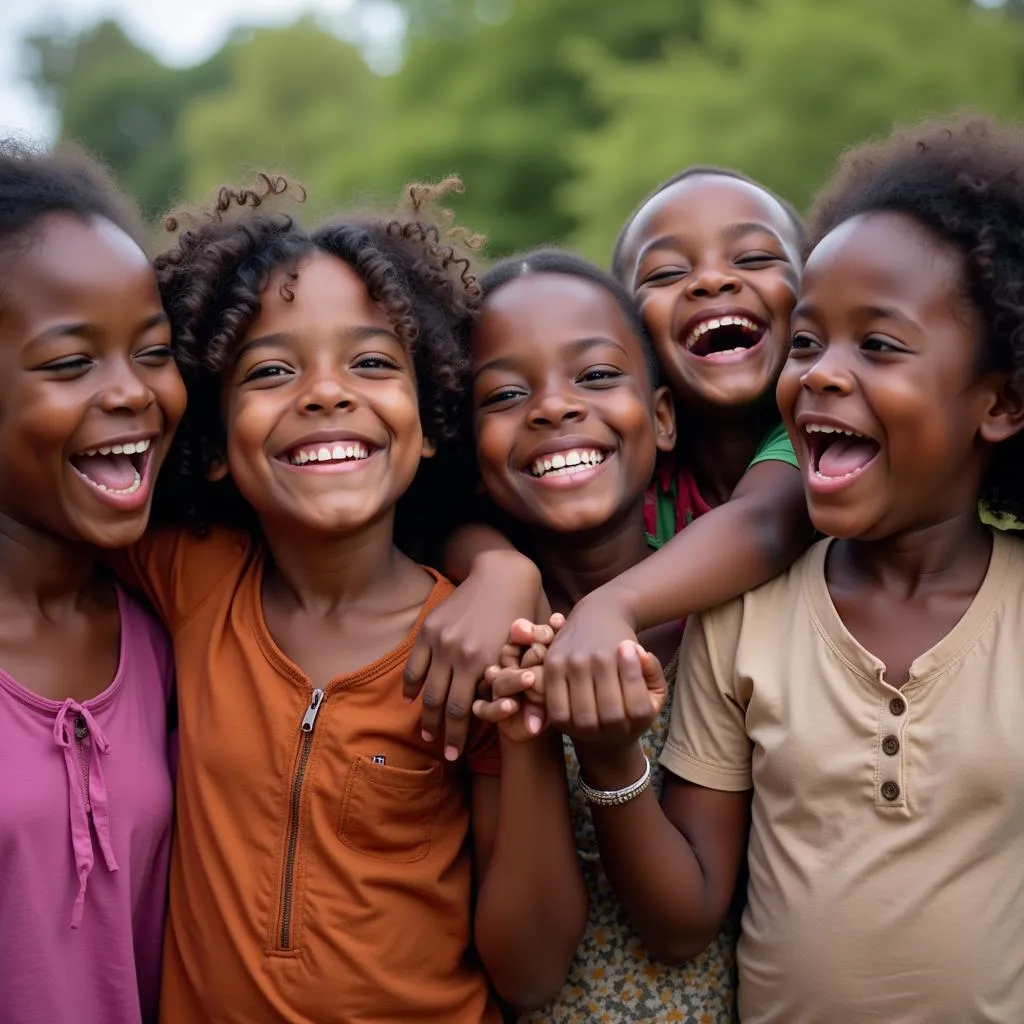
[
  {"x": 131, "y": 448},
  {"x": 846, "y": 476},
  {"x": 130, "y": 489},
  {"x": 336, "y": 453},
  {"x": 726, "y": 321},
  {"x": 821, "y": 428},
  {"x": 567, "y": 462}
]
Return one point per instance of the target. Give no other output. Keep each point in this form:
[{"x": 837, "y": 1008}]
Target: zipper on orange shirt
[{"x": 295, "y": 807}]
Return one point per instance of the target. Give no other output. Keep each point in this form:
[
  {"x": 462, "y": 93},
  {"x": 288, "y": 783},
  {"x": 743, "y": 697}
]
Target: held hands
[
  {"x": 460, "y": 638},
  {"x": 610, "y": 707}
]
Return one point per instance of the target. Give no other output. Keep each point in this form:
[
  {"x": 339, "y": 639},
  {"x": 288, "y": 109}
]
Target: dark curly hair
[
  {"x": 697, "y": 171},
  {"x": 35, "y": 184},
  {"x": 416, "y": 266},
  {"x": 558, "y": 261},
  {"x": 962, "y": 178}
]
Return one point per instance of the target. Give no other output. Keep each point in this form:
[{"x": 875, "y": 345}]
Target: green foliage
[
  {"x": 558, "y": 114},
  {"x": 777, "y": 89}
]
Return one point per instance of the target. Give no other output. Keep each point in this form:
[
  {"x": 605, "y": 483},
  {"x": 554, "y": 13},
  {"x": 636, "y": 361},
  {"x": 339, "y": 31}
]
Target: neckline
[
  {"x": 52, "y": 707},
  {"x": 396, "y": 656},
  {"x": 1002, "y": 560}
]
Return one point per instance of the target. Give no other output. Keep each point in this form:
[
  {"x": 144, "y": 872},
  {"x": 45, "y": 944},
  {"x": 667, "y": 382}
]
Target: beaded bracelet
[{"x": 615, "y": 797}]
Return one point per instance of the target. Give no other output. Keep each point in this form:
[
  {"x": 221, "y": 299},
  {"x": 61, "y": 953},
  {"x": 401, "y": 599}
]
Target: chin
[{"x": 845, "y": 524}]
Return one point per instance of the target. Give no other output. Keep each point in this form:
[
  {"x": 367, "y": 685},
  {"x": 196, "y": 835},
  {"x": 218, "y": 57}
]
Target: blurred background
[{"x": 558, "y": 114}]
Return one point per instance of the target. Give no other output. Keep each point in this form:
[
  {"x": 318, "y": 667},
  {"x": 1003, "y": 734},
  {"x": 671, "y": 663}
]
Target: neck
[
  {"x": 720, "y": 449},
  {"x": 322, "y": 572},
  {"x": 575, "y": 564},
  {"x": 938, "y": 554},
  {"x": 36, "y": 568}
]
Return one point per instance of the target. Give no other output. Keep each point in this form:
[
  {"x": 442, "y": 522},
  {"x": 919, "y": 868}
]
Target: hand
[
  {"x": 461, "y": 637},
  {"x": 508, "y": 700},
  {"x": 617, "y": 706}
]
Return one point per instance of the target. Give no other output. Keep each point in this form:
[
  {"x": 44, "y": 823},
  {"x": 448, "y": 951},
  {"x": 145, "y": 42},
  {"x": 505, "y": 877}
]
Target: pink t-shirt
[{"x": 85, "y": 827}]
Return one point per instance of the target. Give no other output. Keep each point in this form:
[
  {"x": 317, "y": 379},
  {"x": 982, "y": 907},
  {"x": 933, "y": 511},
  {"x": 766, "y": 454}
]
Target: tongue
[
  {"x": 846, "y": 456},
  {"x": 115, "y": 472}
]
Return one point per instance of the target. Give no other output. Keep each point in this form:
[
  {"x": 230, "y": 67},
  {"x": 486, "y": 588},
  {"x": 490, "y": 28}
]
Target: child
[
  {"x": 569, "y": 418},
  {"x": 870, "y": 698},
  {"x": 322, "y": 865},
  {"x": 91, "y": 399},
  {"x": 714, "y": 262}
]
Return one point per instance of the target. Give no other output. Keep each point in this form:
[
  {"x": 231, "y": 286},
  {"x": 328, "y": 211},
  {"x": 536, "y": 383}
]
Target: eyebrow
[
  {"x": 579, "y": 346},
  {"x": 345, "y": 334},
  {"x": 869, "y": 312},
  {"x": 87, "y": 330},
  {"x": 732, "y": 232}
]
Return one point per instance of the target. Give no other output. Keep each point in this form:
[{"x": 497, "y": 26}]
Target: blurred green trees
[{"x": 559, "y": 116}]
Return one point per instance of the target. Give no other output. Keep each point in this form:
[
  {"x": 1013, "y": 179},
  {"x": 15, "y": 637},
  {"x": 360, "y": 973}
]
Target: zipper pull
[
  {"x": 309, "y": 718},
  {"x": 81, "y": 728}
]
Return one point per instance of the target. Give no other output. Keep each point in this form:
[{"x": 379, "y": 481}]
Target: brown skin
[
  {"x": 85, "y": 358},
  {"x": 912, "y": 553},
  {"x": 337, "y": 594},
  {"x": 706, "y": 243}
]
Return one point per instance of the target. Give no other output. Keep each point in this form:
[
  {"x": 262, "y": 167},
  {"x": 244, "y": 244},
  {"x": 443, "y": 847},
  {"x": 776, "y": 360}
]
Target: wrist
[
  {"x": 613, "y": 599},
  {"x": 610, "y": 768},
  {"x": 507, "y": 562}
]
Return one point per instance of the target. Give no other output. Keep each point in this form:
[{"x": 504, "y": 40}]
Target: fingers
[
  {"x": 416, "y": 668},
  {"x": 522, "y": 633},
  {"x": 457, "y": 708},
  {"x": 508, "y": 682},
  {"x": 510, "y": 656},
  {"x": 654, "y": 678},
  {"x": 635, "y": 694},
  {"x": 495, "y": 711}
]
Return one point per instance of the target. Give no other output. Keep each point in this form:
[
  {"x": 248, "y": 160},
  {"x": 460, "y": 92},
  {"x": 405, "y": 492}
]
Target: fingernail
[
  {"x": 527, "y": 677},
  {"x": 508, "y": 705},
  {"x": 406, "y": 700},
  {"x": 450, "y": 753},
  {"x": 533, "y": 724},
  {"x": 428, "y": 737}
]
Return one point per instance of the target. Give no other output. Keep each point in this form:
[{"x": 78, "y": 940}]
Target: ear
[
  {"x": 217, "y": 469},
  {"x": 664, "y": 420},
  {"x": 429, "y": 447},
  {"x": 1005, "y": 414}
]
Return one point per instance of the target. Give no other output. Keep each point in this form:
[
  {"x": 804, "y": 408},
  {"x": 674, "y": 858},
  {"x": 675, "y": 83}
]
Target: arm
[
  {"x": 465, "y": 634},
  {"x": 674, "y": 866},
  {"x": 759, "y": 532},
  {"x": 532, "y": 903}
]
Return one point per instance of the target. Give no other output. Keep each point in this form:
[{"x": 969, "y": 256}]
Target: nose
[
  {"x": 325, "y": 391},
  {"x": 711, "y": 280},
  {"x": 556, "y": 406},
  {"x": 123, "y": 390},
  {"x": 828, "y": 374}
]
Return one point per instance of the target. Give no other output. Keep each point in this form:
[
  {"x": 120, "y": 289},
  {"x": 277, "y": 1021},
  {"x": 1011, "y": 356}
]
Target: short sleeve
[
  {"x": 707, "y": 742},
  {"x": 776, "y": 447},
  {"x": 177, "y": 569},
  {"x": 483, "y": 748}
]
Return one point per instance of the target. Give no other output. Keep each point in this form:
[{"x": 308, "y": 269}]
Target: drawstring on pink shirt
[{"x": 82, "y": 801}]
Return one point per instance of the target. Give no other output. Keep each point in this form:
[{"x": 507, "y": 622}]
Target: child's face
[
  {"x": 713, "y": 262},
  {"x": 320, "y": 405},
  {"x": 91, "y": 395},
  {"x": 567, "y": 426},
  {"x": 882, "y": 393}
]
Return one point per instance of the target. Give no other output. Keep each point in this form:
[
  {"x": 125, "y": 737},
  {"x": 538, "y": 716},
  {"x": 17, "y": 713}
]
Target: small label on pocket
[{"x": 379, "y": 759}]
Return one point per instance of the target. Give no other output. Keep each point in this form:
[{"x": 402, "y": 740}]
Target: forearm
[
  {"x": 532, "y": 904},
  {"x": 650, "y": 864},
  {"x": 718, "y": 557},
  {"x": 472, "y": 546}
]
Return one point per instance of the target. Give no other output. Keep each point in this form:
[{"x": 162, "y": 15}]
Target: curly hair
[
  {"x": 697, "y": 171},
  {"x": 962, "y": 178},
  {"x": 35, "y": 184},
  {"x": 416, "y": 266},
  {"x": 557, "y": 261}
]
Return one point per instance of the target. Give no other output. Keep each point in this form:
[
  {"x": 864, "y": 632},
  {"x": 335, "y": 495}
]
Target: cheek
[
  {"x": 494, "y": 441},
  {"x": 781, "y": 295},
  {"x": 788, "y": 388},
  {"x": 656, "y": 310},
  {"x": 170, "y": 396}
]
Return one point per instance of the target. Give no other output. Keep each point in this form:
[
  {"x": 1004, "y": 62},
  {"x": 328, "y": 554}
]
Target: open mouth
[
  {"x": 568, "y": 463},
  {"x": 324, "y": 454},
  {"x": 725, "y": 335},
  {"x": 838, "y": 454},
  {"x": 117, "y": 469}
]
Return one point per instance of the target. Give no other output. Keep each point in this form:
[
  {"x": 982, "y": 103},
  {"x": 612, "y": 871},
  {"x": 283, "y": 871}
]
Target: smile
[
  {"x": 725, "y": 338},
  {"x": 837, "y": 455},
  {"x": 117, "y": 473},
  {"x": 567, "y": 463},
  {"x": 323, "y": 453}
]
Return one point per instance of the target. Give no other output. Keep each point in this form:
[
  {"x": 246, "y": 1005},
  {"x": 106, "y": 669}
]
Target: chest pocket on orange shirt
[{"x": 389, "y": 812}]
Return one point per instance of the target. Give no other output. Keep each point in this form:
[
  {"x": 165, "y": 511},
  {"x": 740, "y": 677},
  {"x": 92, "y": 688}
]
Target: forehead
[
  {"x": 887, "y": 256},
  {"x": 551, "y": 309},
  {"x": 708, "y": 205},
  {"x": 325, "y": 293},
  {"x": 66, "y": 260}
]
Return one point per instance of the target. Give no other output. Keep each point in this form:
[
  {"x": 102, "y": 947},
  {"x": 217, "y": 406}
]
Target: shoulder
[{"x": 146, "y": 645}]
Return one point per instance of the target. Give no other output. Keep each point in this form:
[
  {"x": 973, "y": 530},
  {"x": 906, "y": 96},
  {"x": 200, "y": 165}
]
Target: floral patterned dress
[{"x": 612, "y": 980}]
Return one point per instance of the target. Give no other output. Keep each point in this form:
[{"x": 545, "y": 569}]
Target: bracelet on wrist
[{"x": 615, "y": 797}]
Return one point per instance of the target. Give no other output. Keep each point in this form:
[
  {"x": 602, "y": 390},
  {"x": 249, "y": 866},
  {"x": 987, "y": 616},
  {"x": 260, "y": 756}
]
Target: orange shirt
[{"x": 321, "y": 862}]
